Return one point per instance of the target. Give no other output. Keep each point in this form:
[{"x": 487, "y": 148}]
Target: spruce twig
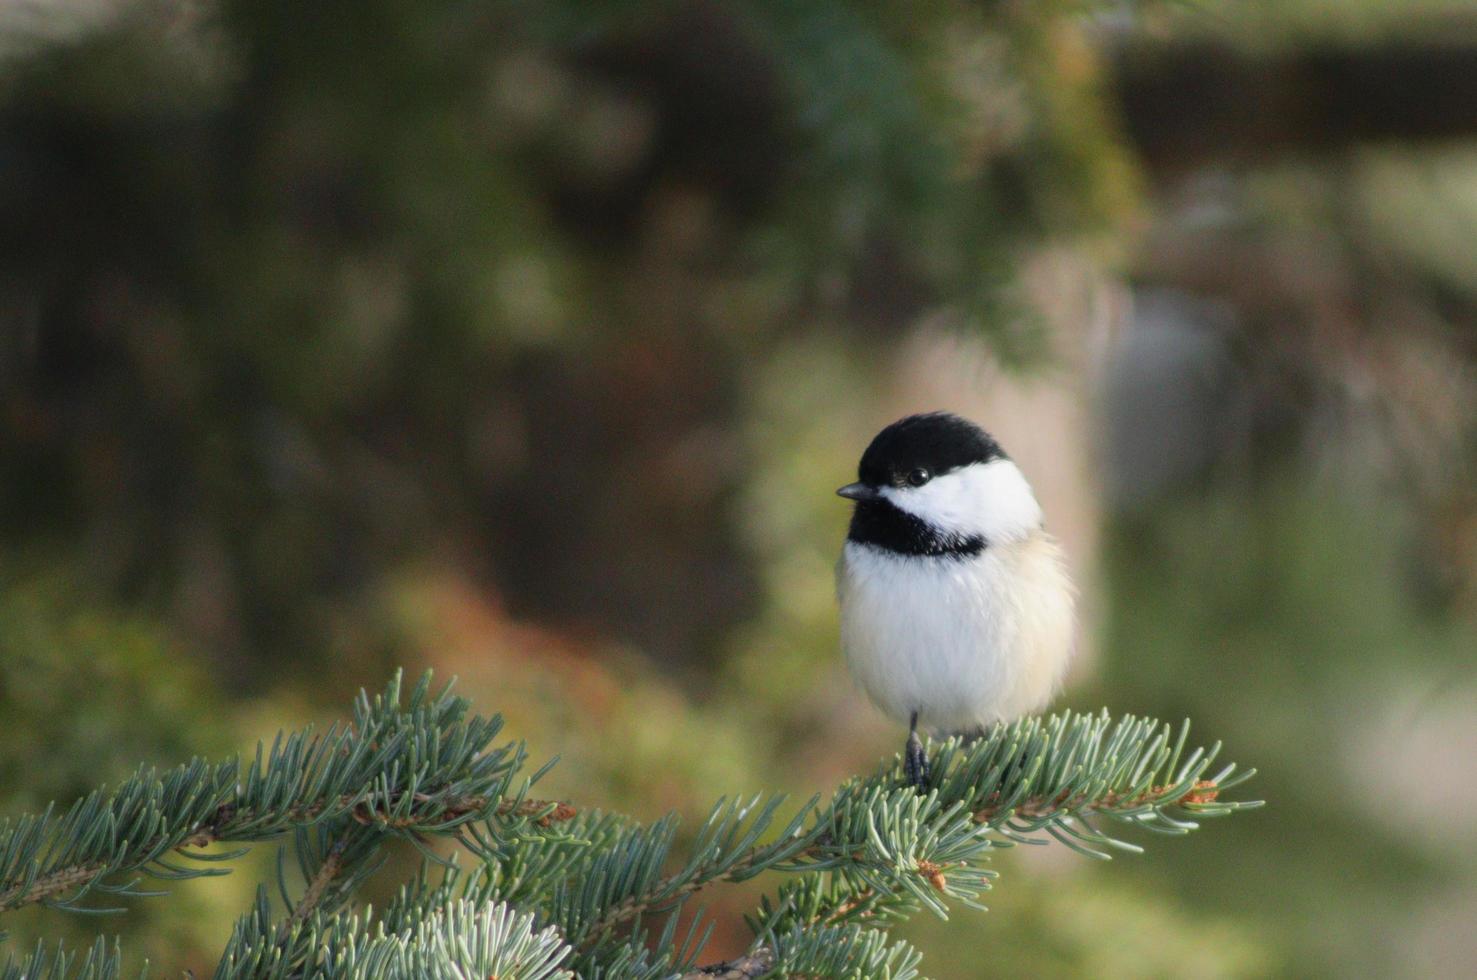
[
  {"x": 220, "y": 829},
  {"x": 328, "y": 871},
  {"x": 556, "y": 892}
]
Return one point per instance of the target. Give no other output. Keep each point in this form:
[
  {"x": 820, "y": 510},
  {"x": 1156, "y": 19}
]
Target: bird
[{"x": 957, "y": 609}]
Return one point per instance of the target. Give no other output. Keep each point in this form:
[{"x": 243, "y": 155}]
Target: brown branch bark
[
  {"x": 743, "y": 968},
  {"x": 332, "y": 865},
  {"x": 48, "y": 885},
  {"x": 1036, "y": 807}
]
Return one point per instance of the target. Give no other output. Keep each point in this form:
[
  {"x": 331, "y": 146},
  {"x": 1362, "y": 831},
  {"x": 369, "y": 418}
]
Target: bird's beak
[{"x": 858, "y": 491}]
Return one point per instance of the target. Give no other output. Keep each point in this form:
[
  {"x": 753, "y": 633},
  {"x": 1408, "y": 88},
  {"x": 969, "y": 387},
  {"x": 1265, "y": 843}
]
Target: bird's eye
[{"x": 917, "y": 477}]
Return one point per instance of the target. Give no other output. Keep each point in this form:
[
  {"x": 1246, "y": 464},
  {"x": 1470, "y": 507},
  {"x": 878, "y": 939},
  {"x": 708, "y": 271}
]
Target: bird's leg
[{"x": 915, "y": 762}]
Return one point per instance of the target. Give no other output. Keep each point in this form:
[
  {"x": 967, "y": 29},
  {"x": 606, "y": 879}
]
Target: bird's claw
[{"x": 915, "y": 762}]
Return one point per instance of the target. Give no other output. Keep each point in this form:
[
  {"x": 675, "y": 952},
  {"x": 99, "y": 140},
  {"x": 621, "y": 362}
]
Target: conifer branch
[
  {"x": 555, "y": 892},
  {"x": 328, "y": 871},
  {"x": 100, "y": 961},
  {"x": 221, "y": 829},
  {"x": 421, "y": 769}
]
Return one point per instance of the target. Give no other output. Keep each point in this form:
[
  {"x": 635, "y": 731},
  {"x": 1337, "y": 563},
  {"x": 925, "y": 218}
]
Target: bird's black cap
[{"x": 937, "y": 442}]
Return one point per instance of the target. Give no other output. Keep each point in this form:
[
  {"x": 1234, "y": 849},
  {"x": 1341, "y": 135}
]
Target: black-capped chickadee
[{"x": 956, "y": 607}]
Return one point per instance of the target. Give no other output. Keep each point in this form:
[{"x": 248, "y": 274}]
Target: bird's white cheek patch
[{"x": 991, "y": 500}]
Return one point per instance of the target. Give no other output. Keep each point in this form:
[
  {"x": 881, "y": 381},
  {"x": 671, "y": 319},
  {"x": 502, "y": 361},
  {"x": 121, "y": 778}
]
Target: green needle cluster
[{"x": 536, "y": 889}]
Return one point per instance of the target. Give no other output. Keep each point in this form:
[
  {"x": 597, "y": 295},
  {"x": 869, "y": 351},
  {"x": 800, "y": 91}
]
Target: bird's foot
[{"x": 915, "y": 762}]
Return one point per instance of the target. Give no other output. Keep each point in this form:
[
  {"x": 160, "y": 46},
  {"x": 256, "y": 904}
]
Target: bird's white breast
[{"x": 964, "y": 642}]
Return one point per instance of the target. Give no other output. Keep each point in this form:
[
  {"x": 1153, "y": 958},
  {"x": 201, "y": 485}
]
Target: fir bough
[{"x": 546, "y": 889}]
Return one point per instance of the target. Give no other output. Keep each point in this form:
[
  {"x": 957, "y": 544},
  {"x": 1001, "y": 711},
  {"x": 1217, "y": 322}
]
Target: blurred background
[{"x": 527, "y": 341}]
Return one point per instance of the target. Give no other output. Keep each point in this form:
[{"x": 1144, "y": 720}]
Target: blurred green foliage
[
  {"x": 1320, "y": 653},
  {"x": 299, "y": 294},
  {"x": 59, "y": 653},
  {"x": 528, "y": 341}
]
